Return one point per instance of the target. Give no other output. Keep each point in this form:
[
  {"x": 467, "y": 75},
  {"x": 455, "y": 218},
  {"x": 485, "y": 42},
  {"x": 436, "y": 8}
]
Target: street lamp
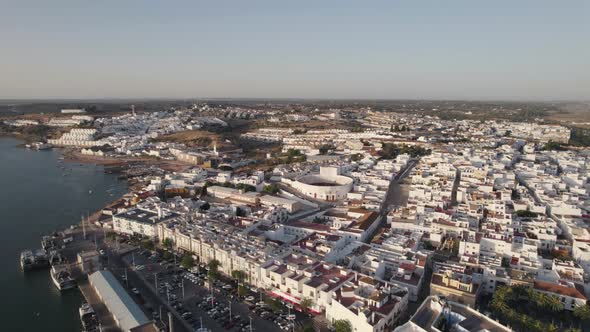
[
  {"x": 229, "y": 309},
  {"x": 289, "y": 306}
]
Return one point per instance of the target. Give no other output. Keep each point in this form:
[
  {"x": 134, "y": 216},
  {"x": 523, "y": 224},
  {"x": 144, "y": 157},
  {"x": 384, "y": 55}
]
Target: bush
[
  {"x": 525, "y": 214},
  {"x": 148, "y": 245},
  {"x": 271, "y": 188},
  {"x": 187, "y": 261}
]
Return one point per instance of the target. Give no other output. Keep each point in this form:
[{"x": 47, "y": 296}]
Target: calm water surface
[{"x": 35, "y": 199}]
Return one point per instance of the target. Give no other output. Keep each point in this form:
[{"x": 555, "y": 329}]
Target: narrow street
[{"x": 394, "y": 195}]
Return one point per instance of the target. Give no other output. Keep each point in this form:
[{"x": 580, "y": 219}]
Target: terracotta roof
[{"x": 559, "y": 289}]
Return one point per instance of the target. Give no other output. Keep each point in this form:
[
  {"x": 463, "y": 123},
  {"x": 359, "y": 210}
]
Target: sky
[{"x": 474, "y": 50}]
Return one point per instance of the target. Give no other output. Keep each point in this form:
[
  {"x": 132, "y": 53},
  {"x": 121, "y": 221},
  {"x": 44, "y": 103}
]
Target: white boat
[
  {"x": 62, "y": 279},
  {"x": 30, "y": 259},
  {"x": 27, "y": 260},
  {"x": 88, "y": 318}
]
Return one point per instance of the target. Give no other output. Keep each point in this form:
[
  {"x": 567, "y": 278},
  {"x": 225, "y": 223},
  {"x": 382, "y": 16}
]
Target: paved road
[
  {"x": 394, "y": 190},
  {"x": 392, "y": 195}
]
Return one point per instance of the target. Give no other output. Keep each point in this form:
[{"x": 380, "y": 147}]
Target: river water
[{"x": 36, "y": 199}]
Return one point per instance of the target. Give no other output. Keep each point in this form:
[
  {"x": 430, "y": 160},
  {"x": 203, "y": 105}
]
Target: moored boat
[
  {"x": 62, "y": 279},
  {"x": 26, "y": 260},
  {"x": 47, "y": 243},
  {"x": 30, "y": 259},
  {"x": 88, "y": 318}
]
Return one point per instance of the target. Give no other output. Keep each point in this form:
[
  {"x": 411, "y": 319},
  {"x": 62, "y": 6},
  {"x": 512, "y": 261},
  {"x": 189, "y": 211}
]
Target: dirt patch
[
  {"x": 75, "y": 156},
  {"x": 200, "y": 138}
]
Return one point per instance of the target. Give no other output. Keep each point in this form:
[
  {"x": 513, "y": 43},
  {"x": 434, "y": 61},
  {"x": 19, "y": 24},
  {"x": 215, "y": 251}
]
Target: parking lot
[{"x": 218, "y": 307}]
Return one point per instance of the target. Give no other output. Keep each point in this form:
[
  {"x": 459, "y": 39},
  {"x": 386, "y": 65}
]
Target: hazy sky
[{"x": 297, "y": 49}]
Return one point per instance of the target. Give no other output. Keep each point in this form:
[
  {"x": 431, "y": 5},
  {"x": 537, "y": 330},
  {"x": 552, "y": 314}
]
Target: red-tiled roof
[{"x": 559, "y": 289}]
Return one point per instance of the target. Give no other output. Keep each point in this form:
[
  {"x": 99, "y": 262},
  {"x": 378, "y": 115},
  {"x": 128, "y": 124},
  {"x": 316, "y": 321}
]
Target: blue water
[{"x": 35, "y": 199}]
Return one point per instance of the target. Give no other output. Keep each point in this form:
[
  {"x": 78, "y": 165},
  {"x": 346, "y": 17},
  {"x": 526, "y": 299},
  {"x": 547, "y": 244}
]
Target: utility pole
[
  {"x": 229, "y": 310},
  {"x": 83, "y": 227},
  {"x": 289, "y": 306},
  {"x": 156, "y": 280},
  {"x": 126, "y": 279},
  {"x": 170, "y": 322},
  {"x": 182, "y": 283},
  {"x": 211, "y": 287},
  {"x": 161, "y": 315},
  {"x": 250, "y": 323}
]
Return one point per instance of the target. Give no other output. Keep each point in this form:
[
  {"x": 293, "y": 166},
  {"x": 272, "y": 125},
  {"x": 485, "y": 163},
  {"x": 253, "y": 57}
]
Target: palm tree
[
  {"x": 342, "y": 325},
  {"x": 213, "y": 274},
  {"x": 573, "y": 329},
  {"x": 167, "y": 243},
  {"x": 214, "y": 264},
  {"x": 553, "y": 304},
  {"x": 238, "y": 275},
  {"x": 499, "y": 301},
  {"x": 536, "y": 325},
  {"x": 582, "y": 312},
  {"x": 305, "y": 304},
  {"x": 552, "y": 328}
]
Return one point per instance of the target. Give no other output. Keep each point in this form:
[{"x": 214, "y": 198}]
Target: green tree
[
  {"x": 356, "y": 157},
  {"x": 187, "y": 261},
  {"x": 245, "y": 187},
  {"x": 293, "y": 153},
  {"x": 238, "y": 275},
  {"x": 213, "y": 273},
  {"x": 307, "y": 328},
  {"x": 214, "y": 264},
  {"x": 148, "y": 245},
  {"x": 525, "y": 214},
  {"x": 342, "y": 325},
  {"x": 305, "y": 304},
  {"x": 111, "y": 236},
  {"x": 582, "y": 312},
  {"x": 205, "y": 206},
  {"x": 552, "y": 328},
  {"x": 168, "y": 243},
  {"x": 553, "y": 304},
  {"x": 241, "y": 290},
  {"x": 271, "y": 188},
  {"x": 273, "y": 304},
  {"x": 499, "y": 301},
  {"x": 552, "y": 146},
  {"x": 167, "y": 256}
]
